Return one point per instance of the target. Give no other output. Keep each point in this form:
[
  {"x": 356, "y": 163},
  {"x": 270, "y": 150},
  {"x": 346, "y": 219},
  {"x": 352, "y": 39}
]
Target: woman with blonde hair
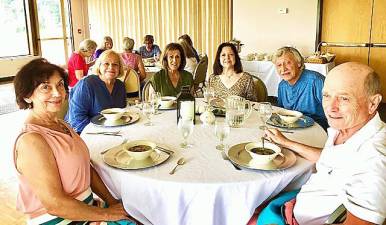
[
  {"x": 77, "y": 65},
  {"x": 97, "y": 92},
  {"x": 191, "y": 62},
  {"x": 132, "y": 60},
  {"x": 106, "y": 44}
]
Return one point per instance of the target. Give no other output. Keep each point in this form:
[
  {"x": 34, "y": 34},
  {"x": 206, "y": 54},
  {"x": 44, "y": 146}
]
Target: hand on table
[{"x": 274, "y": 135}]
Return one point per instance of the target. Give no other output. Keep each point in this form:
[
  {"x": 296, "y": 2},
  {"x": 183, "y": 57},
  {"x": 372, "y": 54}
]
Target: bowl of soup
[
  {"x": 167, "y": 101},
  {"x": 262, "y": 155},
  {"x": 289, "y": 116},
  {"x": 140, "y": 149},
  {"x": 112, "y": 114}
]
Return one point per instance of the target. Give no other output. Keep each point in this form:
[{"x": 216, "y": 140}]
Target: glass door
[{"x": 54, "y": 30}]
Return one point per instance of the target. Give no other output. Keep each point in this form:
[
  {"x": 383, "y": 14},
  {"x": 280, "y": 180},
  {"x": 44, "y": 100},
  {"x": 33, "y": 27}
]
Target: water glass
[
  {"x": 208, "y": 94},
  {"x": 221, "y": 130},
  {"x": 148, "y": 111},
  {"x": 155, "y": 99},
  {"x": 185, "y": 126},
  {"x": 265, "y": 112}
]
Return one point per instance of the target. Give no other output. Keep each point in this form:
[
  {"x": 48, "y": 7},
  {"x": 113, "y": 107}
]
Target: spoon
[
  {"x": 262, "y": 141},
  {"x": 180, "y": 162}
]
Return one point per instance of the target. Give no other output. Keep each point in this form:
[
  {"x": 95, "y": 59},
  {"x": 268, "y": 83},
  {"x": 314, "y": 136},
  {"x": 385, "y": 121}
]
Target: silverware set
[{"x": 110, "y": 133}]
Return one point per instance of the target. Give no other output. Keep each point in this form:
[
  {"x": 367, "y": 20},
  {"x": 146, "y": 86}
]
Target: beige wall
[
  {"x": 260, "y": 27},
  {"x": 80, "y": 21}
]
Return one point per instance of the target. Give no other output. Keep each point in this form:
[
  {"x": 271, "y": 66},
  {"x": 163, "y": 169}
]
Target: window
[{"x": 14, "y": 29}]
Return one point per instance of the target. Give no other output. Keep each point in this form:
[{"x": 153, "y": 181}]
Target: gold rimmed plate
[
  {"x": 172, "y": 107},
  {"x": 126, "y": 119},
  {"x": 302, "y": 122},
  {"x": 217, "y": 103},
  {"x": 239, "y": 156},
  {"x": 118, "y": 158}
]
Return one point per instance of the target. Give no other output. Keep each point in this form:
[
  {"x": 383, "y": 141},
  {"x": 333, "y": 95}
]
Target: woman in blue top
[{"x": 97, "y": 92}]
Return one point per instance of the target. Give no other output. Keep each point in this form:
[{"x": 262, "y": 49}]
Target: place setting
[
  {"x": 261, "y": 155},
  {"x": 137, "y": 154},
  {"x": 114, "y": 117}
]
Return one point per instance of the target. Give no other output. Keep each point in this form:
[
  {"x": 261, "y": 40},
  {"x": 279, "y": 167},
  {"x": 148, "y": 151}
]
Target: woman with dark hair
[
  {"x": 149, "y": 50},
  {"x": 186, "y": 38},
  {"x": 169, "y": 80},
  {"x": 56, "y": 179},
  {"x": 228, "y": 77}
]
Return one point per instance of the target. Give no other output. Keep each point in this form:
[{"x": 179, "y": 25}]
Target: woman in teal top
[{"x": 172, "y": 77}]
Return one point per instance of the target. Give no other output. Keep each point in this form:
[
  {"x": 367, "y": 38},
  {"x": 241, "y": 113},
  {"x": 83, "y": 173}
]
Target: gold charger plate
[
  {"x": 118, "y": 158},
  {"x": 239, "y": 156},
  {"x": 126, "y": 119},
  {"x": 217, "y": 103},
  {"x": 174, "y": 106}
]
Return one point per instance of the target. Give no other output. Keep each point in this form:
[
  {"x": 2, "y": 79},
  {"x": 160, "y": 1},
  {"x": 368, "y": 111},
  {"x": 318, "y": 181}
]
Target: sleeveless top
[
  {"x": 131, "y": 60},
  {"x": 73, "y": 162}
]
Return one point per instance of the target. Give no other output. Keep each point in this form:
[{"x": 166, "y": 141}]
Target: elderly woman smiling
[
  {"x": 97, "y": 92},
  {"x": 56, "y": 179},
  {"x": 172, "y": 77}
]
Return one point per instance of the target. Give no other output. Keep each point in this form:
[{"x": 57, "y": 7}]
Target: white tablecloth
[
  {"x": 266, "y": 71},
  {"x": 207, "y": 190}
]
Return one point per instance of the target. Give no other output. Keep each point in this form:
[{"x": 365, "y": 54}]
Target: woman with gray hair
[
  {"x": 97, "y": 92},
  {"x": 300, "y": 89},
  {"x": 77, "y": 65},
  {"x": 132, "y": 60}
]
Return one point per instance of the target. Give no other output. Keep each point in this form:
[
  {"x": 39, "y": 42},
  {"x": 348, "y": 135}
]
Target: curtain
[{"x": 207, "y": 22}]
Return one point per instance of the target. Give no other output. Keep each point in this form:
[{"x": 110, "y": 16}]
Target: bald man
[{"x": 350, "y": 170}]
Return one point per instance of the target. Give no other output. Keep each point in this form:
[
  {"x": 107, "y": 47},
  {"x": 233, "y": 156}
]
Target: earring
[{"x": 28, "y": 100}]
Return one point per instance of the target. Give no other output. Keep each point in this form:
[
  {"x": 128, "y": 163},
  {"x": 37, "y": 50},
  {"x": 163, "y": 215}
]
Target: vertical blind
[{"x": 207, "y": 22}]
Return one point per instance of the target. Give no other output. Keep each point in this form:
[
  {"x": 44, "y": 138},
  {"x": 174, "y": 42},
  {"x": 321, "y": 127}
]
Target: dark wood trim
[{"x": 319, "y": 20}]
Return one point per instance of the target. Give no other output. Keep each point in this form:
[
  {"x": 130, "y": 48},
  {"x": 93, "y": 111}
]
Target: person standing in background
[
  {"x": 189, "y": 41},
  {"x": 77, "y": 65},
  {"x": 191, "y": 62}
]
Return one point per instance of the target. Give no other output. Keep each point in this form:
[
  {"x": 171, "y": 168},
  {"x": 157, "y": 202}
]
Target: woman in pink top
[
  {"x": 77, "y": 65},
  {"x": 56, "y": 179},
  {"x": 132, "y": 60}
]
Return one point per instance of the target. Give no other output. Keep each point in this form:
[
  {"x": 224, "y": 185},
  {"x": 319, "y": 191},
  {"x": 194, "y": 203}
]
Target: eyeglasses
[
  {"x": 106, "y": 64},
  {"x": 46, "y": 88}
]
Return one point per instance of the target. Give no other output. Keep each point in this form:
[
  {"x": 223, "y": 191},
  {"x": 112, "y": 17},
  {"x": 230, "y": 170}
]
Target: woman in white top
[{"x": 191, "y": 62}]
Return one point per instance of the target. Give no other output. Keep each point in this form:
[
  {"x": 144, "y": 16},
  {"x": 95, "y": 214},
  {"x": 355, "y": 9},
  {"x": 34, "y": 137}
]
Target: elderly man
[
  {"x": 300, "y": 89},
  {"x": 351, "y": 168}
]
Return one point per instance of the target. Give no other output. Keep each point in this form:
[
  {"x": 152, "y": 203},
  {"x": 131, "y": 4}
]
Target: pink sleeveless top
[
  {"x": 131, "y": 60},
  {"x": 73, "y": 162}
]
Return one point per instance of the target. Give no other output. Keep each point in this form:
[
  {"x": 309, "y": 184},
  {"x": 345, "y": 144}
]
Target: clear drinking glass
[
  {"x": 155, "y": 99},
  {"x": 148, "y": 111},
  {"x": 222, "y": 130},
  {"x": 208, "y": 94},
  {"x": 265, "y": 112},
  {"x": 185, "y": 126}
]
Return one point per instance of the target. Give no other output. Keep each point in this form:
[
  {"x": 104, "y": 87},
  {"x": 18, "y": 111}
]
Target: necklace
[{"x": 52, "y": 124}]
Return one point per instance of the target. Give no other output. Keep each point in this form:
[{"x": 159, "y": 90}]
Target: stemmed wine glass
[
  {"x": 221, "y": 130},
  {"x": 185, "y": 126},
  {"x": 265, "y": 112},
  {"x": 148, "y": 111}
]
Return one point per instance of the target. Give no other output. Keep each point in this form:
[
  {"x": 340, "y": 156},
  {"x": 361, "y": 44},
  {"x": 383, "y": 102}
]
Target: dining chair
[
  {"x": 199, "y": 75},
  {"x": 261, "y": 90},
  {"x": 132, "y": 85}
]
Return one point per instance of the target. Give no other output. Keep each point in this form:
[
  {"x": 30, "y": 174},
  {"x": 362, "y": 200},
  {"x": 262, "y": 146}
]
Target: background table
[
  {"x": 266, "y": 71},
  {"x": 207, "y": 190}
]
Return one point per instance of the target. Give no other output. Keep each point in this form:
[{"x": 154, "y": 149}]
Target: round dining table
[{"x": 207, "y": 189}]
